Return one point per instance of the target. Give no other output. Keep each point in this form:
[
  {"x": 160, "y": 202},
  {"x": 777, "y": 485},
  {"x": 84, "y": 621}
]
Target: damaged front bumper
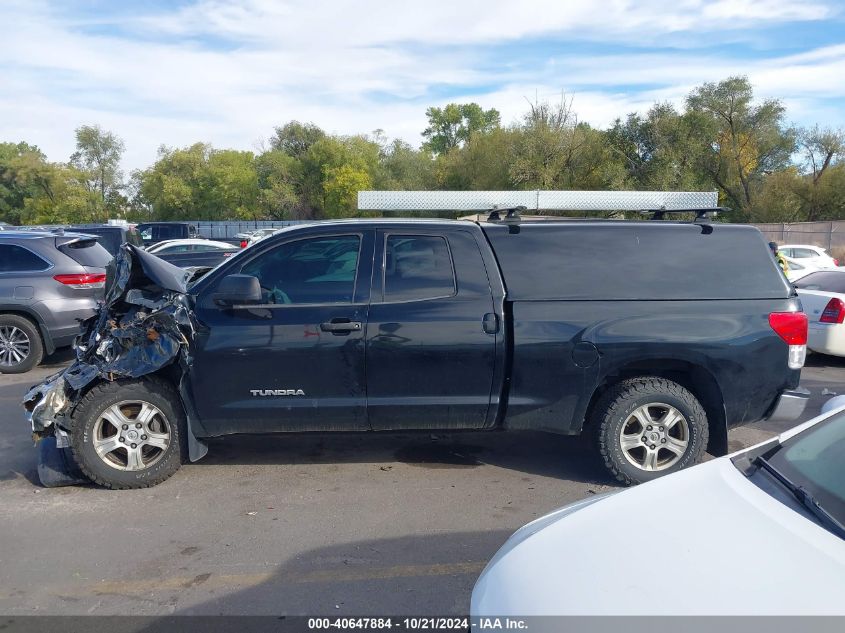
[
  {"x": 45, "y": 403},
  {"x": 144, "y": 324}
]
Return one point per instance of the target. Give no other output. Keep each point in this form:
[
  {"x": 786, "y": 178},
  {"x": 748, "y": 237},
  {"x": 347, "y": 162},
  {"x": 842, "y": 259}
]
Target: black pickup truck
[{"x": 655, "y": 336}]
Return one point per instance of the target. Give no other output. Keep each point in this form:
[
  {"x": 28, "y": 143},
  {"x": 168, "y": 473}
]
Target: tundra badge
[{"x": 277, "y": 392}]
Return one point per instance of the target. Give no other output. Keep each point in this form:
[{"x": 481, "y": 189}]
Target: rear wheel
[
  {"x": 21, "y": 348},
  {"x": 647, "y": 427},
  {"x": 129, "y": 434}
]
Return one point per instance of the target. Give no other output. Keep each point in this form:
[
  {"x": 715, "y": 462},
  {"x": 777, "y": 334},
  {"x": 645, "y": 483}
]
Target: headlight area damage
[{"x": 144, "y": 324}]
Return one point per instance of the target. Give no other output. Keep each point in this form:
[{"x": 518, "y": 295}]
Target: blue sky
[{"x": 228, "y": 71}]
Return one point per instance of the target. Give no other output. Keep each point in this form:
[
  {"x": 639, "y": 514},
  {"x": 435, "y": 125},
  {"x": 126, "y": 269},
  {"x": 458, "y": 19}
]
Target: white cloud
[{"x": 228, "y": 72}]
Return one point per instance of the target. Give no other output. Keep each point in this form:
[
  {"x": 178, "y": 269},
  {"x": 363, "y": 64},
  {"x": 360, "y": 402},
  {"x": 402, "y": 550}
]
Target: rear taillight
[
  {"x": 834, "y": 312},
  {"x": 836, "y": 262},
  {"x": 82, "y": 280},
  {"x": 244, "y": 243},
  {"x": 792, "y": 328}
]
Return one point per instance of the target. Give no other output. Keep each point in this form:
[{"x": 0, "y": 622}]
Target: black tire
[
  {"x": 20, "y": 324},
  {"x": 622, "y": 406},
  {"x": 88, "y": 424}
]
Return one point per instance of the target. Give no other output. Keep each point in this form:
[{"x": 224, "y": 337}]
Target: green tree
[
  {"x": 280, "y": 186},
  {"x": 15, "y": 189},
  {"x": 657, "y": 151},
  {"x": 341, "y": 188},
  {"x": 173, "y": 187},
  {"x": 738, "y": 141},
  {"x": 35, "y": 191},
  {"x": 200, "y": 183},
  {"x": 484, "y": 163},
  {"x": 295, "y": 138},
  {"x": 453, "y": 125},
  {"x": 778, "y": 199},
  {"x": 97, "y": 158},
  {"x": 232, "y": 185},
  {"x": 546, "y": 146},
  {"x": 403, "y": 167},
  {"x": 321, "y": 163},
  {"x": 820, "y": 150},
  {"x": 554, "y": 151}
]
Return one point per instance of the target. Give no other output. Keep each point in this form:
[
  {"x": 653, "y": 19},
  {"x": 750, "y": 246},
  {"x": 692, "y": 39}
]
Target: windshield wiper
[{"x": 804, "y": 496}]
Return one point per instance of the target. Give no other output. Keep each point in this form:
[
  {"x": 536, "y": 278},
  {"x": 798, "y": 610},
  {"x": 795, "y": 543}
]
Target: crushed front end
[{"x": 144, "y": 324}]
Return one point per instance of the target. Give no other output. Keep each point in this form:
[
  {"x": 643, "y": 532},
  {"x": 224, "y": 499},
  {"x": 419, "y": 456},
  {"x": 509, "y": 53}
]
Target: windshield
[{"x": 815, "y": 460}]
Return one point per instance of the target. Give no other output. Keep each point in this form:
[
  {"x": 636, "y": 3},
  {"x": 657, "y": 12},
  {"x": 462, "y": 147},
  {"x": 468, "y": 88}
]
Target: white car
[
  {"x": 797, "y": 269},
  {"x": 260, "y": 234},
  {"x": 815, "y": 256},
  {"x": 822, "y": 294},
  {"x": 755, "y": 533},
  {"x": 171, "y": 247},
  {"x": 249, "y": 238}
]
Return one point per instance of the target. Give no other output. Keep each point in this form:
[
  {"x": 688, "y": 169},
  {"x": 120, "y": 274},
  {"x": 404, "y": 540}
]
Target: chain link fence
[{"x": 829, "y": 235}]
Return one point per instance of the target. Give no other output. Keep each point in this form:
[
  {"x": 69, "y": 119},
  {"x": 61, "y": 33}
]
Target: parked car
[
  {"x": 193, "y": 253},
  {"x": 111, "y": 236},
  {"x": 154, "y": 232},
  {"x": 170, "y": 247},
  {"x": 757, "y": 533},
  {"x": 257, "y": 235},
  {"x": 48, "y": 283},
  {"x": 797, "y": 269},
  {"x": 822, "y": 294},
  {"x": 459, "y": 329},
  {"x": 815, "y": 256}
]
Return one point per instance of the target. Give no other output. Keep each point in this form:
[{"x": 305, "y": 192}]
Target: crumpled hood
[
  {"x": 144, "y": 324},
  {"x": 705, "y": 541},
  {"x": 159, "y": 272}
]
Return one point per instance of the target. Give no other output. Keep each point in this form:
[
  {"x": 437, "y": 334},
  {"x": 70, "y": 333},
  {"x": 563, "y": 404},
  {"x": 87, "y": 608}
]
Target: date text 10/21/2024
[{"x": 420, "y": 623}]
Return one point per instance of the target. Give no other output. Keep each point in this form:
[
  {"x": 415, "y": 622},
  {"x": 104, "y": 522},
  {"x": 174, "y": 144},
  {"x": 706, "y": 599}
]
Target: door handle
[
  {"x": 490, "y": 323},
  {"x": 341, "y": 326}
]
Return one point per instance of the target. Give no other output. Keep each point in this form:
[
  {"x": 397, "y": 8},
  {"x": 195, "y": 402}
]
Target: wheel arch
[
  {"x": 692, "y": 376},
  {"x": 173, "y": 375}
]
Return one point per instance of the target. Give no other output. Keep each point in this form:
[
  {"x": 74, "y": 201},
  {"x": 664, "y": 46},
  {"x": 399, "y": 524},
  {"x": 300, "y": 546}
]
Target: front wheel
[
  {"x": 647, "y": 427},
  {"x": 129, "y": 433}
]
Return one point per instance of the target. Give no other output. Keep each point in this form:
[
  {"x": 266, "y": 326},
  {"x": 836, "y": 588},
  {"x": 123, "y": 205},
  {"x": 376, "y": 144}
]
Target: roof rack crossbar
[
  {"x": 701, "y": 214},
  {"x": 511, "y": 213}
]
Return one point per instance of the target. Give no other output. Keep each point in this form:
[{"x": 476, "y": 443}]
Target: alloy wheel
[
  {"x": 655, "y": 436},
  {"x": 14, "y": 346},
  {"x": 131, "y": 435}
]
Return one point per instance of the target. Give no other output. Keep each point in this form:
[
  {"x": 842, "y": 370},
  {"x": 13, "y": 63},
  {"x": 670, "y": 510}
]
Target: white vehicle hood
[{"x": 705, "y": 541}]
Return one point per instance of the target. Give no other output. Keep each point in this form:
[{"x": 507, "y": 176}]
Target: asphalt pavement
[{"x": 366, "y": 524}]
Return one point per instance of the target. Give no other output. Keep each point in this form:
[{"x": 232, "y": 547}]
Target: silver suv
[{"x": 49, "y": 281}]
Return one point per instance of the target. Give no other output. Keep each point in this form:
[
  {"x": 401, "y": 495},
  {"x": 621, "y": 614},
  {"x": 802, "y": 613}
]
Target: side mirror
[{"x": 238, "y": 289}]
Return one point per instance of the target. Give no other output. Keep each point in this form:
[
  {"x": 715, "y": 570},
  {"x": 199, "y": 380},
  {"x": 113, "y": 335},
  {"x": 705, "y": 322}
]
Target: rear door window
[
  {"x": 804, "y": 253},
  {"x": 418, "y": 267},
  {"x": 16, "y": 259}
]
